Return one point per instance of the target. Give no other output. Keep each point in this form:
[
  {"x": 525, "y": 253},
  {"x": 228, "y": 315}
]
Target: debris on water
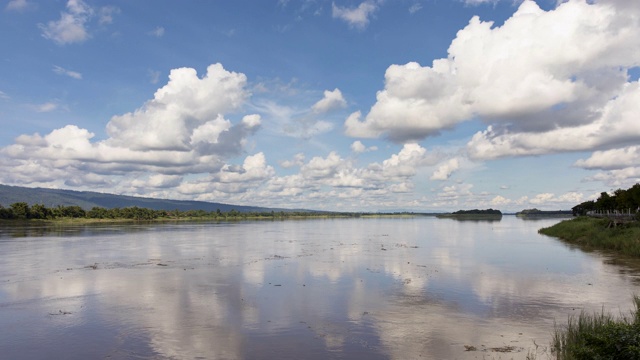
[
  {"x": 161, "y": 264},
  {"x": 277, "y": 285},
  {"x": 94, "y": 266},
  {"x": 503, "y": 349},
  {"x": 60, "y": 312}
]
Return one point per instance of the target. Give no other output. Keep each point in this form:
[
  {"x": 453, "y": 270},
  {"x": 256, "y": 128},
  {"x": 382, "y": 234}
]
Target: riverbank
[
  {"x": 599, "y": 336},
  {"x": 209, "y": 218},
  {"x": 594, "y": 234}
]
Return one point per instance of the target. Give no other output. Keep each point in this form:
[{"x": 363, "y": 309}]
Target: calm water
[{"x": 316, "y": 289}]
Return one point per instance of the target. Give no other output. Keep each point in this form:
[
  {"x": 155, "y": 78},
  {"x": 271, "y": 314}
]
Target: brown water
[{"x": 405, "y": 288}]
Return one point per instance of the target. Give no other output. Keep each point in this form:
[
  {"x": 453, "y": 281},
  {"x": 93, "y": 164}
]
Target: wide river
[{"x": 382, "y": 288}]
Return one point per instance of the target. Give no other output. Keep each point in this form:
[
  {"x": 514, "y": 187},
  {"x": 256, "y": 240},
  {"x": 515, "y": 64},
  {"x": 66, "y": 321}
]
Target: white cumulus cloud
[
  {"x": 612, "y": 159},
  {"x": 71, "y": 27},
  {"x": 358, "y": 147},
  {"x": 181, "y": 131},
  {"x": 444, "y": 171},
  {"x": 545, "y": 81},
  {"x": 331, "y": 100},
  {"x": 357, "y": 17},
  {"x": 185, "y": 104}
]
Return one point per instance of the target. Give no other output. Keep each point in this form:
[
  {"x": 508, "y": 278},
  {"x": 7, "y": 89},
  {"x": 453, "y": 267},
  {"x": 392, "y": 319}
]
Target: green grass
[
  {"x": 599, "y": 336},
  {"x": 593, "y": 233}
]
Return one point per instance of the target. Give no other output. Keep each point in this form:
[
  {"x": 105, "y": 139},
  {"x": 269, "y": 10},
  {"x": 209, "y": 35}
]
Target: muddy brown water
[{"x": 384, "y": 288}]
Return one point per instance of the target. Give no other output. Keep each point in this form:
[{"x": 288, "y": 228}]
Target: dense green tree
[
  {"x": 634, "y": 195},
  {"x": 73, "y": 211},
  {"x": 5, "y": 213},
  {"x": 605, "y": 202},
  {"x": 39, "y": 211},
  {"x": 98, "y": 213},
  {"x": 584, "y": 208},
  {"x": 20, "y": 210},
  {"x": 621, "y": 200}
]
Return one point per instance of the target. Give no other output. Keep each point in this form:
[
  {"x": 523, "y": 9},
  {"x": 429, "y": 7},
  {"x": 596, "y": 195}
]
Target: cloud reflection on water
[{"x": 388, "y": 288}]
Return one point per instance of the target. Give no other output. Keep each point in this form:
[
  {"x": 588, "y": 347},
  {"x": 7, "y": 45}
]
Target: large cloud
[
  {"x": 612, "y": 159},
  {"x": 185, "y": 104},
  {"x": 616, "y": 125},
  {"x": 541, "y": 75},
  {"x": 182, "y": 130},
  {"x": 621, "y": 165}
]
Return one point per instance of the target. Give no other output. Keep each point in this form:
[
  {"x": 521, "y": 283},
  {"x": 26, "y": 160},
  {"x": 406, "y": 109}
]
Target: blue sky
[{"x": 422, "y": 105}]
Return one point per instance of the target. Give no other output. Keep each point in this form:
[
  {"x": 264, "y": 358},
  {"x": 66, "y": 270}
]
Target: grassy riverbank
[
  {"x": 599, "y": 336},
  {"x": 593, "y": 233}
]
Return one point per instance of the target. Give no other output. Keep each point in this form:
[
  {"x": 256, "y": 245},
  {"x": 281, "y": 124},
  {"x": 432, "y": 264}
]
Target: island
[
  {"x": 475, "y": 214},
  {"x": 539, "y": 214}
]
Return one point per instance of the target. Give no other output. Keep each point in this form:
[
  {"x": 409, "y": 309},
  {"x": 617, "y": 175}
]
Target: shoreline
[{"x": 594, "y": 234}]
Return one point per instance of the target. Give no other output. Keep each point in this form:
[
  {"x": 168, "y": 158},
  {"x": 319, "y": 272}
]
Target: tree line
[
  {"x": 622, "y": 200},
  {"x": 478, "y": 212},
  {"x": 22, "y": 211}
]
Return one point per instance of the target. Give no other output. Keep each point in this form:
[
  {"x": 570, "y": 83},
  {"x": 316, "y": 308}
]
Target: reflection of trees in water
[{"x": 17, "y": 229}]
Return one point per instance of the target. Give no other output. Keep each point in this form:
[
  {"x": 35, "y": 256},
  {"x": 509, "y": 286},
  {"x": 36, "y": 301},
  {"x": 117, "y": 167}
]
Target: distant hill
[{"x": 87, "y": 199}]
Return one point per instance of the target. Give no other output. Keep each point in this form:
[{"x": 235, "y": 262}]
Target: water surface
[{"x": 394, "y": 288}]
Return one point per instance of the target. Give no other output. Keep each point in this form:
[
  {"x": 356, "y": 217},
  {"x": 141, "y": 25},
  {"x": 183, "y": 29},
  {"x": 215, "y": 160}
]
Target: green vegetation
[
  {"x": 22, "y": 211},
  {"x": 621, "y": 200},
  {"x": 594, "y": 233},
  {"x": 478, "y": 212},
  {"x": 599, "y": 336},
  {"x": 620, "y": 234},
  {"x": 475, "y": 214},
  {"x": 534, "y": 213}
]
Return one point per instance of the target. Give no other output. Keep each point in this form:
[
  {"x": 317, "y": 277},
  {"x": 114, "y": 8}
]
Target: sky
[{"x": 365, "y": 105}]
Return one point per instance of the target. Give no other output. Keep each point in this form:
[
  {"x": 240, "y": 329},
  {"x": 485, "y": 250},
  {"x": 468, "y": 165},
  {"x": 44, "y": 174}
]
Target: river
[{"x": 379, "y": 288}]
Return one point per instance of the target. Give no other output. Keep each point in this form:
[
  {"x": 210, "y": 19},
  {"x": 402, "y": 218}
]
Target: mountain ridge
[{"x": 89, "y": 199}]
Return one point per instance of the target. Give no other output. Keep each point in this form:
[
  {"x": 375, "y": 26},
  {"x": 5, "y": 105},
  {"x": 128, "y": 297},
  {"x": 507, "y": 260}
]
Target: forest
[
  {"x": 622, "y": 201},
  {"x": 22, "y": 211}
]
